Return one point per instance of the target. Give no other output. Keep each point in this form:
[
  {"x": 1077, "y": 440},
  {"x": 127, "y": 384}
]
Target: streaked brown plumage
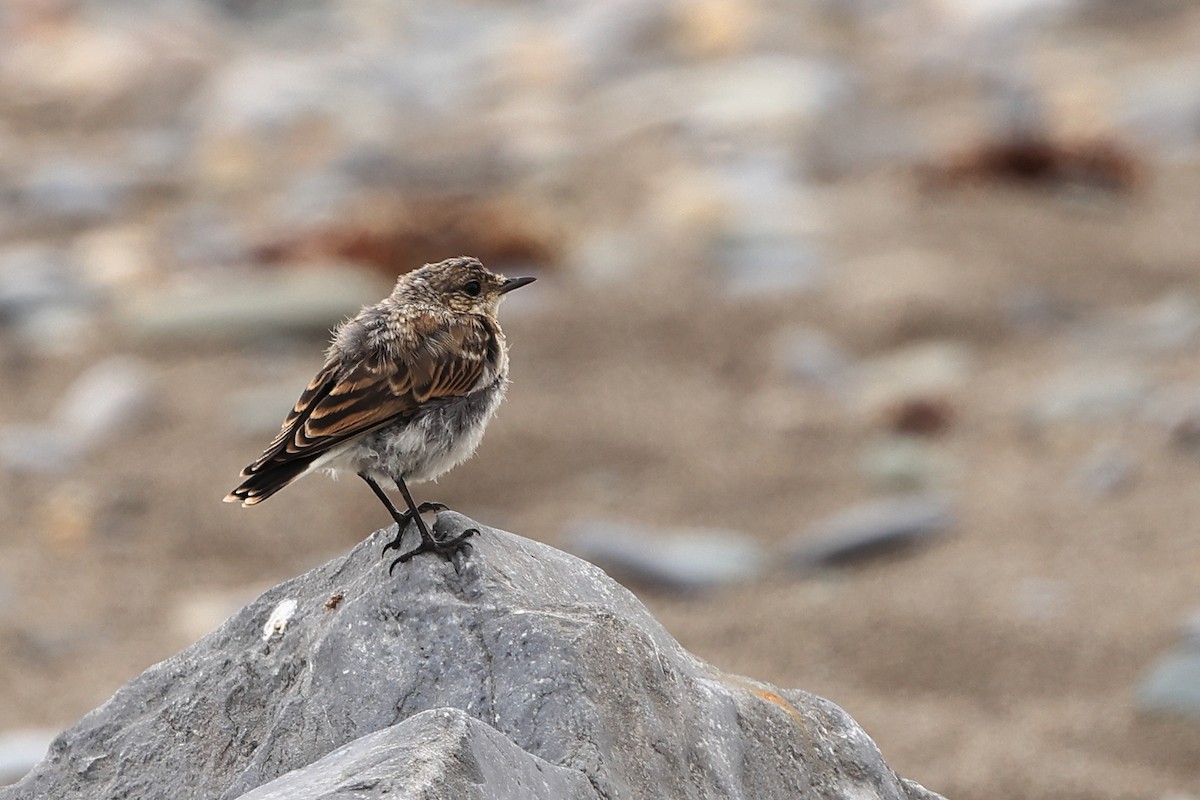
[{"x": 407, "y": 388}]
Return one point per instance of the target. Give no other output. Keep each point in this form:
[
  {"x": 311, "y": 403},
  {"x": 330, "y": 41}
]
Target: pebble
[
  {"x": 1172, "y": 685},
  {"x": 72, "y": 191},
  {"x": 1106, "y": 471},
  {"x": 1082, "y": 394},
  {"x": 34, "y": 276},
  {"x": 936, "y": 368},
  {"x": 1161, "y": 106},
  {"x": 1042, "y": 599},
  {"x": 287, "y": 300},
  {"x": 767, "y": 267},
  {"x": 871, "y": 529},
  {"x": 904, "y": 463},
  {"x": 38, "y": 449},
  {"x": 811, "y": 357},
  {"x": 104, "y": 400},
  {"x": 766, "y": 93},
  {"x": 1170, "y": 324},
  {"x": 680, "y": 560}
]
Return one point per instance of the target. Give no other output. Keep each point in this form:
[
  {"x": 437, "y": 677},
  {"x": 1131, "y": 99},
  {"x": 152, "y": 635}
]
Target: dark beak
[{"x": 515, "y": 283}]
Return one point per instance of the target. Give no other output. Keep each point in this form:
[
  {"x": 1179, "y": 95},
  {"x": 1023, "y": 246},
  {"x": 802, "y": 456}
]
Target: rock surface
[{"x": 516, "y": 672}]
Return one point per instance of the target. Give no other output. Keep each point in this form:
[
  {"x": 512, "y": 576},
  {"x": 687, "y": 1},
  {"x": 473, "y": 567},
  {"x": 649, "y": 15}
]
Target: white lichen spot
[{"x": 279, "y": 618}]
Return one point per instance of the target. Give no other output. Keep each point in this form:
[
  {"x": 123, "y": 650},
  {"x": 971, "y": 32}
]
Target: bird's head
[{"x": 460, "y": 284}]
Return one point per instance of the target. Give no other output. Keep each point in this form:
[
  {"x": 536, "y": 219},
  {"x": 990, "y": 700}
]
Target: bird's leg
[
  {"x": 402, "y": 518},
  {"x": 428, "y": 542}
]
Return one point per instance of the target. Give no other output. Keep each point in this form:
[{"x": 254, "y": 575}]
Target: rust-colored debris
[
  {"x": 1040, "y": 161},
  {"x": 420, "y": 231},
  {"x": 922, "y": 416}
]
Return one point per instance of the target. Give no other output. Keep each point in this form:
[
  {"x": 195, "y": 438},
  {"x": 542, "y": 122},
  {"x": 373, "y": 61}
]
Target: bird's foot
[
  {"x": 402, "y": 520},
  {"x": 446, "y": 549}
]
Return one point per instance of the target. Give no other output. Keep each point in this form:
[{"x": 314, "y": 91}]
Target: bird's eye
[{"x": 473, "y": 288}]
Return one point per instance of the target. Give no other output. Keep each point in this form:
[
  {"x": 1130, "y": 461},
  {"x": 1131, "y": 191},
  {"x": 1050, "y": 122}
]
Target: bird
[{"x": 408, "y": 387}]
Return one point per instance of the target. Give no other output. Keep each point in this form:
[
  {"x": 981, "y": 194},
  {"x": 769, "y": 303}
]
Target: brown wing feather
[{"x": 339, "y": 405}]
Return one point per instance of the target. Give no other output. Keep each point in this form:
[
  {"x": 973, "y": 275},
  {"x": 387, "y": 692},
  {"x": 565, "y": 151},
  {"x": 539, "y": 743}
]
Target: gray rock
[
  {"x": 1189, "y": 631},
  {"x": 1161, "y": 107},
  {"x": 1173, "y": 685},
  {"x": 20, "y": 750},
  {"x": 33, "y": 277},
  {"x": 38, "y": 449},
  {"x": 871, "y": 529},
  {"x": 1169, "y": 324},
  {"x": 289, "y": 300},
  {"x": 559, "y": 660},
  {"x": 681, "y": 559},
  {"x": 104, "y": 399},
  {"x": 905, "y": 464},
  {"x": 767, "y": 266},
  {"x": 811, "y": 357},
  {"x": 98, "y": 404},
  {"x": 769, "y": 92},
  {"x": 1084, "y": 393},
  {"x": 442, "y": 752},
  {"x": 1106, "y": 471},
  {"x": 71, "y": 191}
]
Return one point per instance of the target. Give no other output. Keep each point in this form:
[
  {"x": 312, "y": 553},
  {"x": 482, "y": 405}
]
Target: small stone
[
  {"x": 763, "y": 267},
  {"x": 810, "y": 356},
  {"x": 1041, "y": 599},
  {"x": 769, "y": 93},
  {"x": 72, "y": 191},
  {"x": 116, "y": 257},
  {"x": 33, "y": 277},
  {"x": 904, "y": 464},
  {"x": 104, "y": 399},
  {"x": 677, "y": 559},
  {"x": 38, "y": 449},
  {"x": 920, "y": 416},
  {"x": 1031, "y": 309},
  {"x": 1169, "y": 324},
  {"x": 872, "y": 529},
  {"x": 1106, "y": 471},
  {"x": 1173, "y": 684},
  {"x": 1189, "y": 631},
  {"x": 605, "y": 257},
  {"x": 1161, "y": 107},
  {"x": 202, "y": 235},
  {"x": 927, "y": 369},
  {"x": 20, "y": 750},
  {"x": 1081, "y": 394},
  {"x": 287, "y": 300}
]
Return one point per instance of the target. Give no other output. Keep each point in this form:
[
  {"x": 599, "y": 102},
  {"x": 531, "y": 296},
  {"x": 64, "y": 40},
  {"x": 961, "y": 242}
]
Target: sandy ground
[{"x": 1000, "y": 662}]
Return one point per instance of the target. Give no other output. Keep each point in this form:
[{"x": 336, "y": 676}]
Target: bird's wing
[{"x": 341, "y": 403}]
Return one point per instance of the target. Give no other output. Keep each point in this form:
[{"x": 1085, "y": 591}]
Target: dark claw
[
  {"x": 405, "y": 518},
  {"x": 445, "y": 549}
]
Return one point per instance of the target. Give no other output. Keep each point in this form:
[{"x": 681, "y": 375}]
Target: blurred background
[{"x": 864, "y": 346}]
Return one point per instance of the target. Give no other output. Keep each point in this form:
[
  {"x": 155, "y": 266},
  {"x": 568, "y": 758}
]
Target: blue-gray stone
[
  {"x": 1173, "y": 684},
  {"x": 872, "y": 529},
  {"x": 678, "y": 559},
  {"x": 442, "y": 752},
  {"x": 72, "y": 191},
  {"x": 550, "y": 668}
]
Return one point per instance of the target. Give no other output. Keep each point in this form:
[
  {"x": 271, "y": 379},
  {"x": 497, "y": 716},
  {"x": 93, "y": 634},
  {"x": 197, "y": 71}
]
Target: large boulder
[{"x": 516, "y": 671}]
